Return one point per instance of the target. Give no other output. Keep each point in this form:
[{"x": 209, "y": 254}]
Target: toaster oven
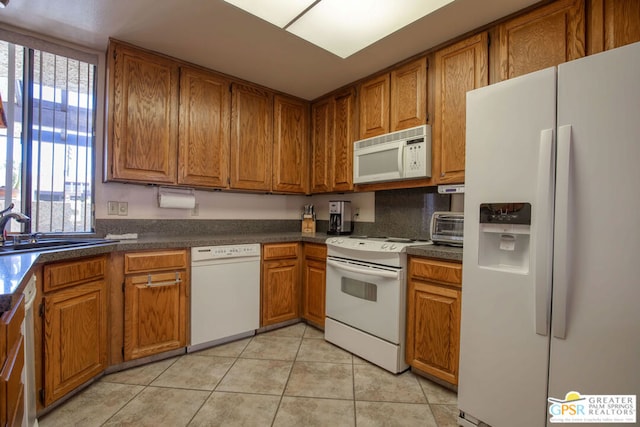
[{"x": 447, "y": 228}]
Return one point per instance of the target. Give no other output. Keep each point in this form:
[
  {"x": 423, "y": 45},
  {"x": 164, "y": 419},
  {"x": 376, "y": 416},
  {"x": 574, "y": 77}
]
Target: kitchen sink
[{"x": 49, "y": 244}]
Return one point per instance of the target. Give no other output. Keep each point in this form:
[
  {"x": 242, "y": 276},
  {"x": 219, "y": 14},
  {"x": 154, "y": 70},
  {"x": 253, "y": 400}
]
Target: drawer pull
[{"x": 176, "y": 281}]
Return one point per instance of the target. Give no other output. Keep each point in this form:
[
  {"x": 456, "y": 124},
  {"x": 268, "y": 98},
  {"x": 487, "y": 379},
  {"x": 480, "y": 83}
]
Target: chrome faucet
[{"x": 6, "y": 215}]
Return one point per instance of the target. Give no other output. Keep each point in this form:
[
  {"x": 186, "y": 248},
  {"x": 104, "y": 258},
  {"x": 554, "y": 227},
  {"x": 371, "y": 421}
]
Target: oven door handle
[{"x": 369, "y": 271}]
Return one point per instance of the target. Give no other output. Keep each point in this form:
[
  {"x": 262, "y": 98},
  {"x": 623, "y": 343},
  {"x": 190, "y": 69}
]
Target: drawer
[
  {"x": 435, "y": 271},
  {"x": 11, "y": 325},
  {"x": 279, "y": 251},
  {"x": 11, "y": 384},
  {"x": 136, "y": 262},
  {"x": 64, "y": 274},
  {"x": 312, "y": 250}
]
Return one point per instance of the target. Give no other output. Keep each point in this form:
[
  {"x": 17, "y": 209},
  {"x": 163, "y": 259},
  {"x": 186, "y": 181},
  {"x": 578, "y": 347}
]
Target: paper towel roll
[{"x": 177, "y": 200}]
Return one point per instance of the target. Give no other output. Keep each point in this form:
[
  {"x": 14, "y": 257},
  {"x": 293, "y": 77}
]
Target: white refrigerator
[{"x": 551, "y": 258}]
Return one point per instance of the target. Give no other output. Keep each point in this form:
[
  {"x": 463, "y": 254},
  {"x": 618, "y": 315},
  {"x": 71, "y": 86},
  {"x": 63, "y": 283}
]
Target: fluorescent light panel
[
  {"x": 278, "y": 12},
  {"x": 342, "y": 27}
]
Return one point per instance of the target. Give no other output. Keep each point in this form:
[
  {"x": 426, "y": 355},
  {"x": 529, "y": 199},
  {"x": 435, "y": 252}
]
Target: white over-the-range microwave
[{"x": 404, "y": 154}]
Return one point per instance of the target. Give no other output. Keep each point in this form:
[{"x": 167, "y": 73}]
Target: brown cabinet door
[
  {"x": 459, "y": 68},
  {"x": 280, "y": 300},
  {"x": 322, "y": 123},
  {"x": 154, "y": 313},
  {"x": 251, "y": 138},
  {"x": 143, "y": 106},
  {"x": 291, "y": 140},
  {"x": 205, "y": 117},
  {"x": 344, "y": 135},
  {"x": 613, "y": 23},
  {"x": 409, "y": 95},
  {"x": 75, "y": 337},
  {"x": 374, "y": 106},
  {"x": 314, "y": 283},
  {"x": 543, "y": 38},
  {"x": 433, "y": 329}
]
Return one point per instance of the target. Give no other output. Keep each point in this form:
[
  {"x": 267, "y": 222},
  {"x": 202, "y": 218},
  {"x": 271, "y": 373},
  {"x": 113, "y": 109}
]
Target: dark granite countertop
[
  {"x": 444, "y": 252},
  {"x": 15, "y": 268}
]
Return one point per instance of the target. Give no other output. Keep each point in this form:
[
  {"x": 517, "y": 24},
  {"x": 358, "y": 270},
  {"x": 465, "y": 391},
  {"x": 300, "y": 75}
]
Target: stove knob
[
  {"x": 384, "y": 246},
  {"x": 393, "y": 247},
  {"x": 341, "y": 241}
]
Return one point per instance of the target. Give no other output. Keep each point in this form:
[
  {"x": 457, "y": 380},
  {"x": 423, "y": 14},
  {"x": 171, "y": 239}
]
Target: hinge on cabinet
[
  {"x": 427, "y": 63},
  {"x": 41, "y": 396},
  {"x": 428, "y": 117},
  {"x": 41, "y": 309},
  {"x": 122, "y": 286},
  {"x": 488, "y": 39},
  {"x": 122, "y": 351}
]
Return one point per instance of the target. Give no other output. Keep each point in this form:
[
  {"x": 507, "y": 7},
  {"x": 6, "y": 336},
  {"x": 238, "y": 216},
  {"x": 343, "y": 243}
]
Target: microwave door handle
[
  {"x": 401, "y": 160},
  {"x": 370, "y": 272}
]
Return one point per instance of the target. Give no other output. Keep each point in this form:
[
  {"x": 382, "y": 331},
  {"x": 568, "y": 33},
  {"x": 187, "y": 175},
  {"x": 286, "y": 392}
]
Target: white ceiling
[{"x": 216, "y": 35}]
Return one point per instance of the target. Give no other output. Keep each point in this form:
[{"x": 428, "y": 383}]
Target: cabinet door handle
[{"x": 176, "y": 281}]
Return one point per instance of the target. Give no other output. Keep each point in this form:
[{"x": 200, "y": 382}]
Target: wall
[{"x": 142, "y": 204}]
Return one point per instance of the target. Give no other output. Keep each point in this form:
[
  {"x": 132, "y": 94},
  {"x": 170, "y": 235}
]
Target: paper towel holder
[{"x": 176, "y": 197}]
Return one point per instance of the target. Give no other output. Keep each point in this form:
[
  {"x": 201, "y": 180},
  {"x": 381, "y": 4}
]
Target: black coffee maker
[{"x": 340, "y": 217}]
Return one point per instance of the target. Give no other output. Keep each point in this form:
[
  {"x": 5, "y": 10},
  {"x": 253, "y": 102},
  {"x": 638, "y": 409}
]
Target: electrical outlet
[
  {"x": 196, "y": 210},
  {"x": 112, "y": 208},
  {"x": 357, "y": 211},
  {"x": 123, "y": 208}
]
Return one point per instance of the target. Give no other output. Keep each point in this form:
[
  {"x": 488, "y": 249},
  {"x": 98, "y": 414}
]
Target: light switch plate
[
  {"x": 112, "y": 208},
  {"x": 123, "y": 208}
]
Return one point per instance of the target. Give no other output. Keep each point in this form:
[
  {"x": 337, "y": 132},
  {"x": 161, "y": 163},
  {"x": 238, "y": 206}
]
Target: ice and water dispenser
[{"x": 505, "y": 236}]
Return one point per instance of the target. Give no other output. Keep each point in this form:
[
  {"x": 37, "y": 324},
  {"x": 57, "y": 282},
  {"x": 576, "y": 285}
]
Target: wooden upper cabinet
[
  {"x": 459, "y": 68},
  {"x": 409, "y": 95},
  {"x": 344, "y": 134},
  {"x": 205, "y": 118},
  {"x": 545, "y": 37},
  {"x": 374, "y": 106},
  {"x": 251, "y": 138},
  {"x": 395, "y": 100},
  {"x": 143, "y": 99},
  {"x": 613, "y": 23},
  {"x": 322, "y": 125},
  {"x": 290, "y": 145}
]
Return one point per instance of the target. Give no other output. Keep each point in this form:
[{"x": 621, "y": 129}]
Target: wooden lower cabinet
[
  {"x": 155, "y": 302},
  {"x": 433, "y": 317},
  {"x": 280, "y": 284},
  {"x": 12, "y": 365},
  {"x": 314, "y": 283},
  {"x": 75, "y": 325}
]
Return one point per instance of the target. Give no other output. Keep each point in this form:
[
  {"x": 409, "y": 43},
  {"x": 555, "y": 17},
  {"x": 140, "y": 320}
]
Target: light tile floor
[{"x": 285, "y": 377}]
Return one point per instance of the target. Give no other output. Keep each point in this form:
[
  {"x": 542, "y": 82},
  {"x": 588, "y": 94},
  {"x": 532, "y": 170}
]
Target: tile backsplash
[{"x": 407, "y": 213}]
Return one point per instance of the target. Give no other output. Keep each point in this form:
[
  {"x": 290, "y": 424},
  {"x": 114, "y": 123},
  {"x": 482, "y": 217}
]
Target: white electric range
[{"x": 366, "y": 297}]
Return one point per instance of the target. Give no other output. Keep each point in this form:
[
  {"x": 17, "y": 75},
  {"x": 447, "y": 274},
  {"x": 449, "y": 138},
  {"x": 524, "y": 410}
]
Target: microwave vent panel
[{"x": 400, "y": 135}]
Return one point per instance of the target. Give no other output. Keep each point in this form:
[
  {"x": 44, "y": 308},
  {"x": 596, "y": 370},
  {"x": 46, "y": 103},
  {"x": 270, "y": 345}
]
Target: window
[{"x": 47, "y": 150}]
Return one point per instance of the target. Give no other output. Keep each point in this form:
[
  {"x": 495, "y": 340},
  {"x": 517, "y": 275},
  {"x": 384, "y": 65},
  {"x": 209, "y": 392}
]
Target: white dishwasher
[{"x": 225, "y": 294}]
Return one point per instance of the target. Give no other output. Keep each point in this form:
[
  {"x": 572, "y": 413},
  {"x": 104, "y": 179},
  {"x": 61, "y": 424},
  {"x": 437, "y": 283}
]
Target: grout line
[{"x": 275, "y": 415}]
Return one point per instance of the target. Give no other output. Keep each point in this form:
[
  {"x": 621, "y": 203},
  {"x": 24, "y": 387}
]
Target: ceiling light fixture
[
  {"x": 4, "y": 3},
  {"x": 342, "y": 27}
]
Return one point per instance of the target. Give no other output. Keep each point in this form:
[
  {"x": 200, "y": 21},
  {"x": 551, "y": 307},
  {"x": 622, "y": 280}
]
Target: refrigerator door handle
[
  {"x": 561, "y": 272},
  {"x": 544, "y": 235}
]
